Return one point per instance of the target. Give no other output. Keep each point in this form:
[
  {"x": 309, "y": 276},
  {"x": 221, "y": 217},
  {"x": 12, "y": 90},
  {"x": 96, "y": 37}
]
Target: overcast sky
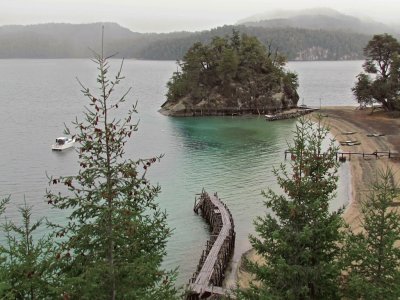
[{"x": 176, "y": 15}]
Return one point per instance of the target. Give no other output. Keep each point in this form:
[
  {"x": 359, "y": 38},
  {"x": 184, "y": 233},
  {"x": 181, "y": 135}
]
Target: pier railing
[
  {"x": 342, "y": 156},
  {"x": 290, "y": 115},
  {"x": 207, "y": 280}
]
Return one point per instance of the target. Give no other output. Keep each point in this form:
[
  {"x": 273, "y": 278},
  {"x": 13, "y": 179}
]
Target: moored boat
[{"x": 62, "y": 143}]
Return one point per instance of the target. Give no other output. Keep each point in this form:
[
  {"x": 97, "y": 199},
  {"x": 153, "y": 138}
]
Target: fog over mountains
[
  {"x": 320, "y": 34},
  {"x": 317, "y": 18}
]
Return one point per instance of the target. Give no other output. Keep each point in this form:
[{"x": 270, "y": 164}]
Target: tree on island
[
  {"x": 299, "y": 240},
  {"x": 372, "y": 256},
  {"x": 383, "y": 63},
  {"x": 235, "y": 72},
  {"x": 113, "y": 243}
]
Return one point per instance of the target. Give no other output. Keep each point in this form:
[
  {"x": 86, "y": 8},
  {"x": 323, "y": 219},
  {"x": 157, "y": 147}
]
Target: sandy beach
[
  {"x": 370, "y": 132},
  {"x": 385, "y": 137}
]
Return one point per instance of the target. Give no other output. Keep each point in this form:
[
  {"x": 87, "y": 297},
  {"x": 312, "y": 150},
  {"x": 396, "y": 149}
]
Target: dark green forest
[
  {"x": 75, "y": 41},
  {"x": 293, "y": 43}
]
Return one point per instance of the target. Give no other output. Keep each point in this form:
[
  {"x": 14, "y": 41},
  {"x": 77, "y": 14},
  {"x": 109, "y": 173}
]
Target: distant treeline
[{"x": 75, "y": 41}]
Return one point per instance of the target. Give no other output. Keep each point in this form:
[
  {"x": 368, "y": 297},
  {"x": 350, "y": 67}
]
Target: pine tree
[
  {"x": 382, "y": 61},
  {"x": 114, "y": 242},
  {"x": 299, "y": 239},
  {"x": 372, "y": 256},
  {"x": 3, "y": 283},
  {"x": 28, "y": 266},
  {"x": 3, "y": 203}
]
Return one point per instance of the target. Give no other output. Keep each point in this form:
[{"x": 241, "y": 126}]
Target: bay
[{"x": 231, "y": 156}]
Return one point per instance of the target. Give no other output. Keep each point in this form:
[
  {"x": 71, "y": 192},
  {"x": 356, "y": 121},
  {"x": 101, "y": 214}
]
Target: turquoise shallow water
[{"x": 231, "y": 156}]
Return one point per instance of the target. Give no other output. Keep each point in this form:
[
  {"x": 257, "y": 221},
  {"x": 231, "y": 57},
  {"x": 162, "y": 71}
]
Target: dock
[
  {"x": 290, "y": 114},
  {"x": 207, "y": 281}
]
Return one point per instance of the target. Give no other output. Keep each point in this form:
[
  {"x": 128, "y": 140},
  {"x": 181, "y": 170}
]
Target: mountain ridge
[
  {"x": 63, "y": 40},
  {"x": 317, "y": 18}
]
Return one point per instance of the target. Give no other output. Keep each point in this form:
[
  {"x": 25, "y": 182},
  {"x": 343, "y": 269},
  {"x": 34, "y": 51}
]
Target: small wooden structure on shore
[
  {"x": 377, "y": 154},
  {"x": 207, "y": 280},
  {"x": 342, "y": 156},
  {"x": 290, "y": 115}
]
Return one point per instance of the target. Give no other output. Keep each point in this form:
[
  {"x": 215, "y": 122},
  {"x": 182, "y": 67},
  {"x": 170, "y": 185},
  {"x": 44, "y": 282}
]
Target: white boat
[{"x": 62, "y": 143}]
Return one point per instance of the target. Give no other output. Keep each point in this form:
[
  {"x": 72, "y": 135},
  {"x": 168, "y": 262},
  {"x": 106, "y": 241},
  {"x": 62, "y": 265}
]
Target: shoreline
[
  {"x": 348, "y": 123},
  {"x": 361, "y": 124}
]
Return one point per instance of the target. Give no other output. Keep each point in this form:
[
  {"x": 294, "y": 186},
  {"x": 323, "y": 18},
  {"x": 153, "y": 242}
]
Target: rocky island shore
[{"x": 230, "y": 76}]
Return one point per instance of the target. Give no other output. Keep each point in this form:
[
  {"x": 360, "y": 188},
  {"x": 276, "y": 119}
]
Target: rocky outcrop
[
  {"x": 240, "y": 100},
  {"x": 235, "y": 75}
]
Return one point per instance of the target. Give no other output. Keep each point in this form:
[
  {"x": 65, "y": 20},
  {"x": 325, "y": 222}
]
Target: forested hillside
[
  {"x": 75, "y": 41},
  {"x": 56, "y": 40},
  {"x": 293, "y": 43}
]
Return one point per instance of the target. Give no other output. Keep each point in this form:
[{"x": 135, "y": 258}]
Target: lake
[{"x": 233, "y": 156}]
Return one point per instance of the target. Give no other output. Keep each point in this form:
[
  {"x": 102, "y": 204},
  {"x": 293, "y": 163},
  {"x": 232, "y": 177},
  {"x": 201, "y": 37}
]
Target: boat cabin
[{"x": 61, "y": 140}]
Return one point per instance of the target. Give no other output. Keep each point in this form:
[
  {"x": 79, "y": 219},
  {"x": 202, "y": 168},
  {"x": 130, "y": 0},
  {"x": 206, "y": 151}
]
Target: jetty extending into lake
[
  {"x": 207, "y": 280},
  {"x": 291, "y": 114}
]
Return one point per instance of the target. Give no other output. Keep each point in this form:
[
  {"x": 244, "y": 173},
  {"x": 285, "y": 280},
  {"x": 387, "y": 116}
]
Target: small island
[{"x": 231, "y": 76}]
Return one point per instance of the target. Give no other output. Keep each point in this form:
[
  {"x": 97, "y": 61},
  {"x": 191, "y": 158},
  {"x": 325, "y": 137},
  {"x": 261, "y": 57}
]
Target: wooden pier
[
  {"x": 290, "y": 115},
  {"x": 207, "y": 280}
]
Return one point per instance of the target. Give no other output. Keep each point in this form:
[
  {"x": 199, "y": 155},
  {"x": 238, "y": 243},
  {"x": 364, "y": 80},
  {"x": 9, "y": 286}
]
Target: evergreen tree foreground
[
  {"x": 28, "y": 266},
  {"x": 299, "y": 239},
  {"x": 114, "y": 241},
  {"x": 372, "y": 257}
]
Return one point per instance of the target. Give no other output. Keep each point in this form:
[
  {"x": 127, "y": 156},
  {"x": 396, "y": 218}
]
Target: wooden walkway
[
  {"x": 290, "y": 115},
  {"x": 207, "y": 280}
]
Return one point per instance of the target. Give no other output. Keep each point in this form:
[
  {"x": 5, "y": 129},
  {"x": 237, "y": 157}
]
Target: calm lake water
[{"x": 231, "y": 156}]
